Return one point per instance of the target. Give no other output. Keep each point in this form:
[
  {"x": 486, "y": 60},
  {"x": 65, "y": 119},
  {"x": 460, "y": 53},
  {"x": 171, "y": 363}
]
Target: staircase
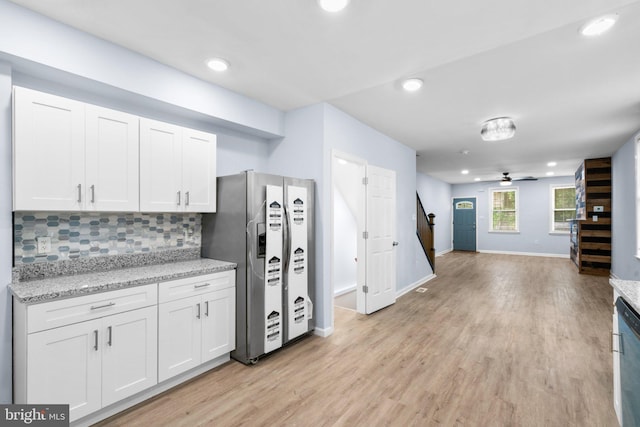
[{"x": 424, "y": 231}]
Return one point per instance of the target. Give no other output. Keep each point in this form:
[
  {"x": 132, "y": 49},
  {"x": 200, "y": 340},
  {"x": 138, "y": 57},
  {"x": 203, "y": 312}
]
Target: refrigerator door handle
[
  {"x": 309, "y": 308},
  {"x": 286, "y": 244}
]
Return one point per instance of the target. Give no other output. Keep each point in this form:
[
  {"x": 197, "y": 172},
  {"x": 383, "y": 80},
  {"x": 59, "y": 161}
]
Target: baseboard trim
[
  {"x": 324, "y": 333},
  {"x": 414, "y": 285},
  {"x": 539, "y": 254},
  {"x": 345, "y": 291},
  {"x": 446, "y": 251}
]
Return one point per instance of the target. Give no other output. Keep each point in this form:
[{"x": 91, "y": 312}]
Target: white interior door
[{"x": 380, "y": 288}]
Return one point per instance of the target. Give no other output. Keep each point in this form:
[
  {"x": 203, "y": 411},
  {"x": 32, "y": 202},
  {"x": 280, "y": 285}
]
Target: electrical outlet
[
  {"x": 595, "y": 218},
  {"x": 43, "y": 245},
  {"x": 598, "y": 208}
]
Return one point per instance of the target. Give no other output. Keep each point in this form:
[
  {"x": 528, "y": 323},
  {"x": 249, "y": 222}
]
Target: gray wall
[
  {"x": 624, "y": 263},
  {"x": 348, "y": 135},
  {"x": 6, "y": 233},
  {"x": 534, "y": 218},
  {"x": 436, "y": 198}
]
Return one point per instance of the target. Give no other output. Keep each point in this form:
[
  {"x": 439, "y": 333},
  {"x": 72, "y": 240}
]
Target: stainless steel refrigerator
[{"x": 265, "y": 224}]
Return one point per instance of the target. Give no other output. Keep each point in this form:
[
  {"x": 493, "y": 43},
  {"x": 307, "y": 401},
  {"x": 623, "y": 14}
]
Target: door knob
[{"x": 396, "y": 243}]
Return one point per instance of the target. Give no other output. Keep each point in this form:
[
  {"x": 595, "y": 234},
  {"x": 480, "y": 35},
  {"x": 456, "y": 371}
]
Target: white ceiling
[{"x": 571, "y": 97}]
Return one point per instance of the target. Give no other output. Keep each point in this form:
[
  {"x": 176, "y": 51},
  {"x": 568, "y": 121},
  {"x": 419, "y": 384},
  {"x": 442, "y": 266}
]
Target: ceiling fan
[{"x": 507, "y": 180}]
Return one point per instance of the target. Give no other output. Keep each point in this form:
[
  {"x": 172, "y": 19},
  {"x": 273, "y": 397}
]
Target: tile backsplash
[{"x": 88, "y": 234}]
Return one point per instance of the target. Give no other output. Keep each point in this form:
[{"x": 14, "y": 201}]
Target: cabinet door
[
  {"x": 615, "y": 346},
  {"x": 218, "y": 323},
  {"x": 112, "y": 160},
  {"x": 160, "y": 167},
  {"x": 129, "y": 353},
  {"x": 64, "y": 367},
  {"x": 199, "y": 171},
  {"x": 178, "y": 336},
  {"x": 48, "y": 152}
]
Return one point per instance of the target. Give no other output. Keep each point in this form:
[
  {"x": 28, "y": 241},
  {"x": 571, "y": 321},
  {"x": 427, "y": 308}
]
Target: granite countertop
[
  {"x": 629, "y": 290},
  {"x": 42, "y": 289}
]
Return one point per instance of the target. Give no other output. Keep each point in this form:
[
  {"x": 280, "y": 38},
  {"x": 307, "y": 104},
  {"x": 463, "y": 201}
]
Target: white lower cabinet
[
  {"x": 615, "y": 351},
  {"x": 64, "y": 367},
  {"x": 97, "y": 350},
  {"x": 92, "y": 363},
  {"x": 129, "y": 354},
  {"x": 196, "y": 322}
]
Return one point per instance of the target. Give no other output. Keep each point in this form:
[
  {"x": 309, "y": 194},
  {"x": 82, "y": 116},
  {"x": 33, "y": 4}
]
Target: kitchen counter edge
[
  {"x": 61, "y": 287},
  {"x": 629, "y": 290}
]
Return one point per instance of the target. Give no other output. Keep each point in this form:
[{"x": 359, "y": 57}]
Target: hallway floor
[{"x": 497, "y": 340}]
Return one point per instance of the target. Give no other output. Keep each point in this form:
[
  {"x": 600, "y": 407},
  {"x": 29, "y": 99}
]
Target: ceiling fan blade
[{"x": 526, "y": 178}]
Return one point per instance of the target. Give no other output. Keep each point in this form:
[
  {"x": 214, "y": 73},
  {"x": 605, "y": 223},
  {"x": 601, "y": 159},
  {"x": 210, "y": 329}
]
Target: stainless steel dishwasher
[{"x": 629, "y": 348}]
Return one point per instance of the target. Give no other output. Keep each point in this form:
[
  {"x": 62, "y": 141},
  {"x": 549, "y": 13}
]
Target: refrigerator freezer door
[
  {"x": 273, "y": 269},
  {"x": 297, "y": 274}
]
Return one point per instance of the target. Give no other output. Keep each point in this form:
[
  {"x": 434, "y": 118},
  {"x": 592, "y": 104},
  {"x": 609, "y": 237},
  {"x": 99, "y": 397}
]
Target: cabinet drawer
[
  {"x": 72, "y": 310},
  {"x": 183, "y": 288}
]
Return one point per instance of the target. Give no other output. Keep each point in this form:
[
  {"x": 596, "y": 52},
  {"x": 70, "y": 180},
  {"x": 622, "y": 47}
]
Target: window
[
  {"x": 504, "y": 209},
  {"x": 563, "y": 207}
]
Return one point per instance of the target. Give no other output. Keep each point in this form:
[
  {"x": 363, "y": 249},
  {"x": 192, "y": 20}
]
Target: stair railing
[{"x": 424, "y": 230}]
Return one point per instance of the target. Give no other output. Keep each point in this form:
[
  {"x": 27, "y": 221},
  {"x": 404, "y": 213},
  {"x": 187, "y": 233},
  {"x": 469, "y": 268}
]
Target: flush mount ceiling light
[
  {"x": 333, "y": 5},
  {"x": 498, "y": 129},
  {"x": 464, "y": 172},
  {"x": 551, "y": 173},
  {"x": 476, "y": 179},
  {"x": 598, "y": 26},
  {"x": 412, "y": 85},
  {"x": 552, "y": 164},
  {"x": 218, "y": 64}
]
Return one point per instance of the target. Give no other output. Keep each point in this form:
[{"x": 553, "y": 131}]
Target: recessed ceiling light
[
  {"x": 464, "y": 172},
  {"x": 218, "y": 64},
  {"x": 476, "y": 179},
  {"x": 598, "y": 26},
  {"x": 333, "y": 5},
  {"x": 412, "y": 85},
  {"x": 552, "y": 164},
  {"x": 550, "y": 173}
]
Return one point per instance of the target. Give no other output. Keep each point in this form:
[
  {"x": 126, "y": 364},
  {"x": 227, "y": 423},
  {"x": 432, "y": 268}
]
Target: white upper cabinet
[
  {"x": 177, "y": 168},
  {"x": 160, "y": 167},
  {"x": 72, "y": 156},
  {"x": 199, "y": 171},
  {"x": 48, "y": 152},
  {"x": 111, "y": 174}
]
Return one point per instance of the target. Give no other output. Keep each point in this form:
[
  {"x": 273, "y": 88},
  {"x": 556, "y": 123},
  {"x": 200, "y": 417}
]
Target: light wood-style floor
[{"x": 497, "y": 340}]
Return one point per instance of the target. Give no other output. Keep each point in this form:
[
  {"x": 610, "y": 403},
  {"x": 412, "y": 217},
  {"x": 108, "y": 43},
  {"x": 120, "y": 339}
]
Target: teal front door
[{"x": 464, "y": 224}]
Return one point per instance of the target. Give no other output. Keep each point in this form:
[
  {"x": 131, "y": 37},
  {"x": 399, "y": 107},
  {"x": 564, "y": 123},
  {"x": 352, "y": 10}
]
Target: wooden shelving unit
[{"x": 591, "y": 232}]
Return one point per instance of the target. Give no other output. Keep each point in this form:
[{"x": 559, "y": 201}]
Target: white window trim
[
  {"x": 637, "y": 170},
  {"x": 496, "y": 189},
  {"x": 552, "y": 199}
]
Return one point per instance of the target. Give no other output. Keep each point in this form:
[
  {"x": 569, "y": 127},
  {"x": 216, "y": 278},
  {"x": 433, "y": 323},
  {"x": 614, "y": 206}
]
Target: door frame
[
  {"x": 335, "y": 156},
  {"x": 453, "y": 212}
]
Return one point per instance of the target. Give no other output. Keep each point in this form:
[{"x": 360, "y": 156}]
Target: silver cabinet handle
[
  {"x": 110, "y": 337},
  {"x": 96, "y": 307},
  {"x": 198, "y": 315},
  {"x": 206, "y": 308},
  {"x": 186, "y": 198},
  {"x": 179, "y": 198},
  {"x": 93, "y": 194},
  {"x": 79, "y": 193},
  {"x": 202, "y": 285},
  {"x": 95, "y": 340},
  {"x": 612, "y": 338}
]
